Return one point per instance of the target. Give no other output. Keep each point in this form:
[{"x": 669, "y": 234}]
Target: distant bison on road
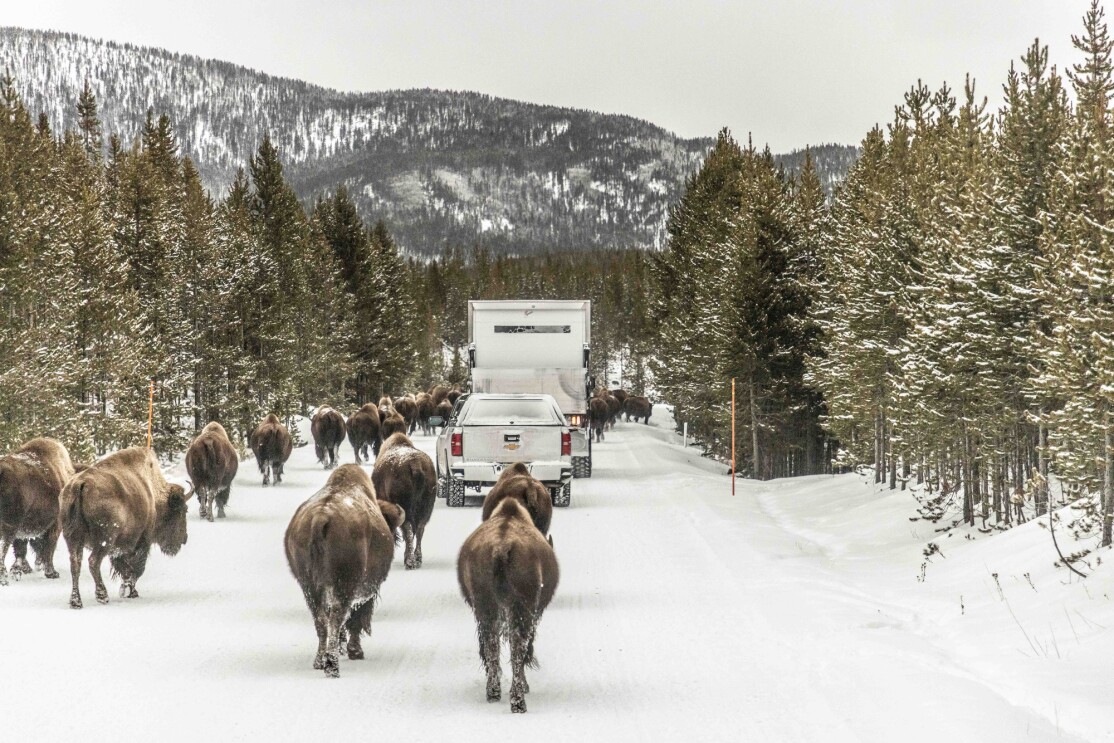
[
  {"x": 271, "y": 443},
  {"x": 339, "y": 545},
  {"x": 211, "y": 463},
  {"x": 516, "y": 482},
  {"x": 363, "y": 432},
  {"x": 119, "y": 508},
  {"x": 638, "y": 408},
  {"x": 328, "y": 429},
  {"x": 406, "y": 477}
]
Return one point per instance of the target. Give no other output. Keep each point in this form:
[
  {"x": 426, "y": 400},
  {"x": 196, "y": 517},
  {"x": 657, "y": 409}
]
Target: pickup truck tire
[
  {"x": 562, "y": 495},
  {"x": 454, "y": 493},
  {"x": 582, "y": 466}
]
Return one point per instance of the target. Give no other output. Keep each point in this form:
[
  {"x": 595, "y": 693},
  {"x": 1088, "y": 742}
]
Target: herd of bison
[{"x": 340, "y": 542}]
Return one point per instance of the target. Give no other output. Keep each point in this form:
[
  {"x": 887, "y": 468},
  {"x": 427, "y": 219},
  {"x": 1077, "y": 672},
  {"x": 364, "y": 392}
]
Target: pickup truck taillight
[
  {"x": 566, "y": 443},
  {"x": 457, "y": 443}
]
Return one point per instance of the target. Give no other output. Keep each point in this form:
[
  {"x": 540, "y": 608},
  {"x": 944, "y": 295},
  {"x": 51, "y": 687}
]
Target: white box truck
[{"x": 536, "y": 346}]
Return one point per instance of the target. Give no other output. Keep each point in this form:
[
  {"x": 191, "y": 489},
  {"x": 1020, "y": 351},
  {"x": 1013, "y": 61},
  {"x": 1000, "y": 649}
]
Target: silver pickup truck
[{"x": 487, "y": 432}]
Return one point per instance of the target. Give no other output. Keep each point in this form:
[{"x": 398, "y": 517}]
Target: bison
[
  {"x": 438, "y": 392},
  {"x": 517, "y": 482},
  {"x": 363, "y": 432},
  {"x": 405, "y": 476},
  {"x": 408, "y": 409},
  {"x": 271, "y": 443},
  {"x": 339, "y": 545},
  {"x": 31, "y": 480},
  {"x": 426, "y": 409},
  {"x": 614, "y": 407},
  {"x": 454, "y": 394},
  {"x": 445, "y": 411},
  {"x": 120, "y": 507},
  {"x": 508, "y": 573},
  {"x": 620, "y": 394},
  {"x": 638, "y": 408},
  {"x": 391, "y": 424},
  {"x": 211, "y": 462},
  {"x": 598, "y": 415},
  {"x": 328, "y": 429}
]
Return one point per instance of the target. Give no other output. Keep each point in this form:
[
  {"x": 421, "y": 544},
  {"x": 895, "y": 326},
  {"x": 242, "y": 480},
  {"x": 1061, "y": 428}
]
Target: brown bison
[
  {"x": 620, "y": 394},
  {"x": 408, "y": 409},
  {"x": 517, "y": 482},
  {"x": 426, "y": 409},
  {"x": 328, "y": 429},
  {"x": 598, "y": 415},
  {"x": 363, "y": 432},
  {"x": 271, "y": 443},
  {"x": 119, "y": 508},
  {"x": 614, "y": 407},
  {"x": 339, "y": 545},
  {"x": 405, "y": 476},
  {"x": 638, "y": 408},
  {"x": 438, "y": 392},
  {"x": 211, "y": 462},
  {"x": 30, "y": 482},
  {"x": 391, "y": 424},
  {"x": 454, "y": 394},
  {"x": 445, "y": 411},
  {"x": 507, "y": 573}
]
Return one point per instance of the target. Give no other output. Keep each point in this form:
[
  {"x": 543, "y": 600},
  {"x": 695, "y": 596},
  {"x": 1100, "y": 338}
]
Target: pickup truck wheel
[
  {"x": 455, "y": 495},
  {"x": 562, "y": 495},
  {"x": 582, "y": 466},
  {"x": 443, "y": 487}
]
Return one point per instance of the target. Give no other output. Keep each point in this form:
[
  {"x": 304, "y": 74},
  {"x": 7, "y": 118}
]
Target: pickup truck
[{"x": 487, "y": 432}]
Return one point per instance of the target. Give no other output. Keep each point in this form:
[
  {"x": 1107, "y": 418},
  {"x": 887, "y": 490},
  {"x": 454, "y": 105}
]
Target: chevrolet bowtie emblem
[{"x": 512, "y": 447}]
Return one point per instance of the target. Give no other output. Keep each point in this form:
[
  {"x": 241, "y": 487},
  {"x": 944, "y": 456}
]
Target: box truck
[{"x": 536, "y": 346}]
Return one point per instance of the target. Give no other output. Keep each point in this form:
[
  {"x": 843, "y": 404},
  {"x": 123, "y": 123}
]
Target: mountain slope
[{"x": 440, "y": 167}]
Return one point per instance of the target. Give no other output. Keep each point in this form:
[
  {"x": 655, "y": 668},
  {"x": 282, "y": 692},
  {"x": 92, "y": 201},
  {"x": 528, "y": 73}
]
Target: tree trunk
[
  {"x": 1107, "y": 480},
  {"x": 1041, "y": 496},
  {"x": 754, "y": 434}
]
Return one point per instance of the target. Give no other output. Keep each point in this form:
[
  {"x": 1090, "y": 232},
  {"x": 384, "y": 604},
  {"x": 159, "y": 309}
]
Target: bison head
[
  {"x": 171, "y": 529},
  {"x": 393, "y": 515}
]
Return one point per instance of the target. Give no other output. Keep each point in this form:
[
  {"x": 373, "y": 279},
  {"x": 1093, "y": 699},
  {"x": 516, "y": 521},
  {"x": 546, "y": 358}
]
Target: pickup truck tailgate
[{"x": 510, "y": 444}]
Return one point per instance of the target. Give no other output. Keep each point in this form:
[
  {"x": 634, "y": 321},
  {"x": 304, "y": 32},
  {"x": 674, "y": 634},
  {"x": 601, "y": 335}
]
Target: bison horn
[{"x": 189, "y": 493}]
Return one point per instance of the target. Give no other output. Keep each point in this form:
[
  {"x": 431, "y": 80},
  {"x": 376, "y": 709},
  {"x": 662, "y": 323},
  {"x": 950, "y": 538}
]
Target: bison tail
[
  {"x": 500, "y": 563},
  {"x": 73, "y": 520}
]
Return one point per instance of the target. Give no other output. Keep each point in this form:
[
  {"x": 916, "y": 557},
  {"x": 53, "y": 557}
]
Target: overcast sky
[{"x": 793, "y": 72}]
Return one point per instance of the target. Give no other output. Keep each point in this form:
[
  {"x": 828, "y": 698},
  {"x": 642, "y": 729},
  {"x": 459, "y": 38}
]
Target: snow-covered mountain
[{"x": 439, "y": 166}]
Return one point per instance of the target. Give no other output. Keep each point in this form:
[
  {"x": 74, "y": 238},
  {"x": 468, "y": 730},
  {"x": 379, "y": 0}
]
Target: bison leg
[
  {"x": 488, "y": 630},
  {"x": 265, "y": 468},
  {"x": 332, "y": 616},
  {"x": 20, "y": 566},
  {"x": 210, "y": 496},
  {"x": 408, "y": 535},
  {"x": 521, "y": 630},
  {"x": 222, "y": 500},
  {"x": 44, "y": 547},
  {"x": 4, "y": 544},
  {"x": 75, "y": 574},
  {"x": 95, "y": 558},
  {"x": 359, "y": 621},
  {"x": 277, "y": 467},
  {"x": 130, "y": 567},
  {"x": 418, "y": 545}
]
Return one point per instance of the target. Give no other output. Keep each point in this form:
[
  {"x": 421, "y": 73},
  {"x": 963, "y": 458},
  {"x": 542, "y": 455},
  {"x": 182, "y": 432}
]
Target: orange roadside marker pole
[
  {"x": 732, "y": 437},
  {"x": 150, "y": 411}
]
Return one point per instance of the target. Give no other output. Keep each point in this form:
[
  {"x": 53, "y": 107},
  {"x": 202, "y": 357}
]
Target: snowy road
[{"x": 682, "y": 614}]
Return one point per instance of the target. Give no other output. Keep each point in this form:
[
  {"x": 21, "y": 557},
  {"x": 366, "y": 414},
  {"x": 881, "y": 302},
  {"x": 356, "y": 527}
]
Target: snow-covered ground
[{"x": 792, "y": 612}]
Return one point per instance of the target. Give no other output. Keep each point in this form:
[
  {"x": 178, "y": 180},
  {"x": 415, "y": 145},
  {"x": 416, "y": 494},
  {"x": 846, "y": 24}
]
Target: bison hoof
[
  {"x": 332, "y": 666},
  {"x": 494, "y": 692},
  {"x": 355, "y": 653},
  {"x": 220, "y": 513},
  {"x": 209, "y": 517},
  {"x": 318, "y": 663},
  {"x": 102, "y": 595},
  {"x": 518, "y": 706},
  {"x": 3, "y": 579},
  {"x": 51, "y": 573},
  {"x": 75, "y": 602}
]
